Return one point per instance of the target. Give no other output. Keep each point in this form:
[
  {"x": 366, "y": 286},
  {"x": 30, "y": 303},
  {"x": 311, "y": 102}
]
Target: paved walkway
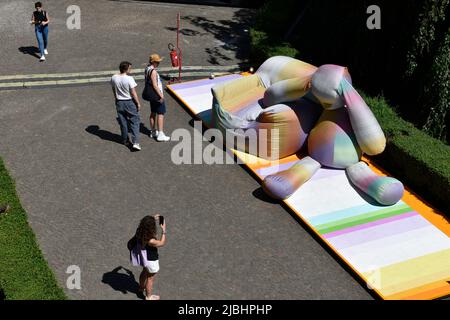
[{"x": 116, "y": 30}]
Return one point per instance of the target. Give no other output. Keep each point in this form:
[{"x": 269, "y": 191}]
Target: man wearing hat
[{"x": 157, "y": 103}]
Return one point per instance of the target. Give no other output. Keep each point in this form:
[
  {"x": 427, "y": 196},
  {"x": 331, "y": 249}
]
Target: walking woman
[
  {"x": 156, "y": 98},
  {"x": 41, "y": 20},
  {"x": 146, "y": 254}
]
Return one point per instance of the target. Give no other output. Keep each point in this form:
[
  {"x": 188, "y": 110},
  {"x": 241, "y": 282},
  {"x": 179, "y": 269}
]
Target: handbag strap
[{"x": 148, "y": 74}]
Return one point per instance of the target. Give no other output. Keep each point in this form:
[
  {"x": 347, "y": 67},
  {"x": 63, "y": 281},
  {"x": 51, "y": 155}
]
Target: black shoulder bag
[{"x": 149, "y": 93}]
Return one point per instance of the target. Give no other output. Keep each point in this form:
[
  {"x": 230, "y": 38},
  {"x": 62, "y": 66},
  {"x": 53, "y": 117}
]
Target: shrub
[{"x": 264, "y": 46}]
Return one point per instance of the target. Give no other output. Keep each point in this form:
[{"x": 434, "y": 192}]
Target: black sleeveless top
[
  {"x": 152, "y": 253},
  {"x": 40, "y": 16}
]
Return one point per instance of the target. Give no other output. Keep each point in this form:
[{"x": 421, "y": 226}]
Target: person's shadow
[
  {"x": 144, "y": 130},
  {"x": 31, "y": 50},
  {"x": 104, "y": 134},
  {"x": 113, "y": 137},
  {"x": 123, "y": 282}
]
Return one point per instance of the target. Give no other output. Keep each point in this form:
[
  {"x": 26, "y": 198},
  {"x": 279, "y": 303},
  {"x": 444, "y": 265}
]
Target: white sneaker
[
  {"x": 162, "y": 137},
  {"x": 42, "y": 58},
  {"x": 137, "y": 147},
  {"x": 45, "y": 51},
  {"x": 154, "y": 134}
]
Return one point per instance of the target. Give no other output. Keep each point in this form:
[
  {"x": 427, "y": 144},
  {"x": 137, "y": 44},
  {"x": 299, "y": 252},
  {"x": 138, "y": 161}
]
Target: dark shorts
[{"x": 158, "y": 107}]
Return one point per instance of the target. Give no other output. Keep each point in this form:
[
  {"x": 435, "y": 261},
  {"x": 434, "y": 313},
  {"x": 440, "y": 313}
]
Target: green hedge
[
  {"x": 418, "y": 160},
  {"x": 264, "y": 46},
  {"x": 24, "y": 273},
  {"x": 267, "y": 34}
]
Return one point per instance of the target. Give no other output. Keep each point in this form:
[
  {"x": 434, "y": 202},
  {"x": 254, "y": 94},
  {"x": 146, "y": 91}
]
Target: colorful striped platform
[{"x": 401, "y": 251}]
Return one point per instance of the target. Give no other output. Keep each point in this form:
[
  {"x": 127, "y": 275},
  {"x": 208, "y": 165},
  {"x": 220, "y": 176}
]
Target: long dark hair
[{"x": 146, "y": 230}]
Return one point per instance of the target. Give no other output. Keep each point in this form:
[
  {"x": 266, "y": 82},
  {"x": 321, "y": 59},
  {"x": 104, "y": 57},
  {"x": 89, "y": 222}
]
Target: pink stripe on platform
[
  {"x": 370, "y": 224},
  {"x": 379, "y": 232}
]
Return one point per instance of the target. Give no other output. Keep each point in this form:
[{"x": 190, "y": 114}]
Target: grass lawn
[{"x": 24, "y": 273}]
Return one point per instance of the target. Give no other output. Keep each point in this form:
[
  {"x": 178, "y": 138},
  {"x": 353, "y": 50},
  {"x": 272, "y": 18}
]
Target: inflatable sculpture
[{"x": 287, "y": 104}]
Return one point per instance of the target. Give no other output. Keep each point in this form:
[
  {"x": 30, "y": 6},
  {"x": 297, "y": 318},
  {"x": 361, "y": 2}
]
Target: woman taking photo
[
  {"x": 40, "y": 20},
  {"x": 145, "y": 253}
]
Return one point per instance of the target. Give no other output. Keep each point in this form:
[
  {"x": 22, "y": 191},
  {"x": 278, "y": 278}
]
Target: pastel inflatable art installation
[
  {"x": 300, "y": 105},
  {"x": 312, "y": 130}
]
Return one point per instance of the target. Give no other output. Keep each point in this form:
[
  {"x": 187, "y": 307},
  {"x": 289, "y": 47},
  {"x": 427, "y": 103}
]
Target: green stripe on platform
[{"x": 363, "y": 218}]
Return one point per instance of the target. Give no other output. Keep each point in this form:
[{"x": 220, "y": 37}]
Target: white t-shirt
[{"x": 123, "y": 85}]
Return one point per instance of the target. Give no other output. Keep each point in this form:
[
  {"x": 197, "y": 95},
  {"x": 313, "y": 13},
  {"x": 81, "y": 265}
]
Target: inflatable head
[{"x": 325, "y": 85}]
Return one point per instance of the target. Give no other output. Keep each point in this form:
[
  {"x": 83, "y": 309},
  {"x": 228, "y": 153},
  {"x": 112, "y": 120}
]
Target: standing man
[
  {"x": 127, "y": 104},
  {"x": 40, "y": 20}
]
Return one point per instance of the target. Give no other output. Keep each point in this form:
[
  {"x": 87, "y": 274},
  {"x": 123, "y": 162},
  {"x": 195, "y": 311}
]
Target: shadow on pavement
[
  {"x": 232, "y": 35},
  {"x": 261, "y": 195},
  {"x": 123, "y": 282},
  {"x": 224, "y": 3},
  {"x": 31, "y": 50},
  {"x": 103, "y": 134},
  {"x": 144, "y": 130},
  {"x": 186, "y": 32}
]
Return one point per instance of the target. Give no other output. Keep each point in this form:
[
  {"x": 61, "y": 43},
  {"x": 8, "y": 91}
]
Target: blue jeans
[
  {"x": 42, "y": 37},
  {"x": 128, "y": 117}
]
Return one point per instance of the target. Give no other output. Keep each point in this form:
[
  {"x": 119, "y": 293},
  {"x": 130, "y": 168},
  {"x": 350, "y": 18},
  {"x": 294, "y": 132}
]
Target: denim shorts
[{"x": 158, "y": 107}]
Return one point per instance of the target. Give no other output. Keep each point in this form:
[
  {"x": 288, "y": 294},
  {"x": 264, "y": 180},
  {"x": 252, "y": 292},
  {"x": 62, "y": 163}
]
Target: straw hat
[{"x": 155, "y": 58}]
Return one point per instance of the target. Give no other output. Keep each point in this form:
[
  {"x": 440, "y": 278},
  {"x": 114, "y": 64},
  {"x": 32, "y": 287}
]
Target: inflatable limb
[
  {"x": 385, "y": 190},
  {"x": 286, "y": 90},
  {"x": 284, "y": 183},
  {"x": 281, "y": 68},
  {"x": 368, "y": 132}
]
